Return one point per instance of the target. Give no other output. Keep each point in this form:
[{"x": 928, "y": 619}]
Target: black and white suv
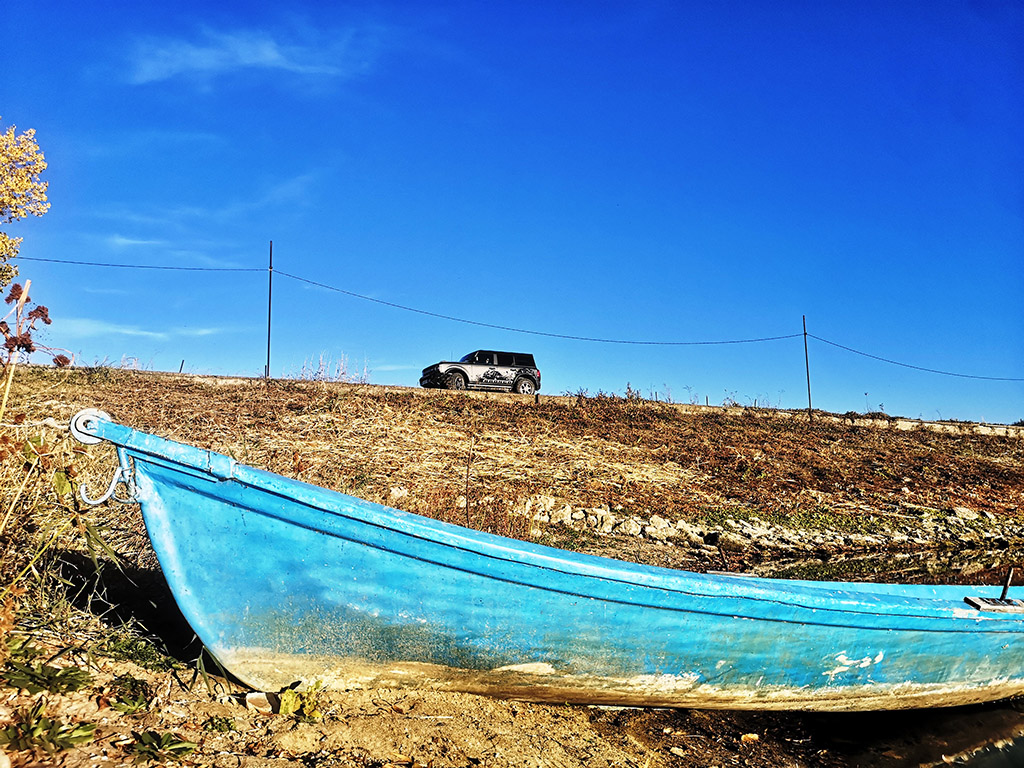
[{"x": 486, "y": 369}]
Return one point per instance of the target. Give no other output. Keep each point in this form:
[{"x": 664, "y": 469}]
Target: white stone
[
  {"x": 629, "y": 527},
  {"x": 263, "y": 702},
  {"x": 605, "y": 521},
  {"x": 659, "y": 534},
  {"x": 563, "y": 515},
  {"x": 965, "y": 514},
  {"x": 691, "y": 534},
  {"x": 547, "y": 503},
  {"x": 731, "y": 542}
]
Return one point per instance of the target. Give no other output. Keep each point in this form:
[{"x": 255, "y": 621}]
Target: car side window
[{"x": 505, "y": 359}]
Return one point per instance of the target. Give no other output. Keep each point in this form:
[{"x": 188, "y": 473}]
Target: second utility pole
[
  {"x": 807, "y": 364},
  {"x": 270, "y": 294}
]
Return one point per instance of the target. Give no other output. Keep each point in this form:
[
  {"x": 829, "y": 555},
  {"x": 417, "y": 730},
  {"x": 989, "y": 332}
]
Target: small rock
[
  {"x": 263, "y": 702},
  {"x": 657, "y": 521},
  {"x": 397, "y": 492},
  {"x": 578, "y": 514},
  {"x": 604, "y": 521},
  {"x": 732, "y": 542},
  {"x": 547, "y": 503},
  {"x": 693, "y": 536},
  {"x": 659, "y": 534},
  {"x": 563, "y": 515},
  {"x": 629, "y": 527}
]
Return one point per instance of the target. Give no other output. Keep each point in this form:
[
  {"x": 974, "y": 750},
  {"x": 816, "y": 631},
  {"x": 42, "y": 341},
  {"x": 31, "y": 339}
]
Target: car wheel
[
  {"x": 523, "y": 387},
  {"x": 456, "y": 381}
]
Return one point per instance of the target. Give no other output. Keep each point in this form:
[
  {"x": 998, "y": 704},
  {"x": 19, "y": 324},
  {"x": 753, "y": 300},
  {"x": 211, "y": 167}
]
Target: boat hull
[{"x": 287, "y": 583}]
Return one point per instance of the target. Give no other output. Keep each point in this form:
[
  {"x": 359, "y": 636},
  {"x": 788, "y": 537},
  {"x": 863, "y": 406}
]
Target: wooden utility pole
[
  {"x": 270, "y": 294},
  {"x": 807, "y": 365}
]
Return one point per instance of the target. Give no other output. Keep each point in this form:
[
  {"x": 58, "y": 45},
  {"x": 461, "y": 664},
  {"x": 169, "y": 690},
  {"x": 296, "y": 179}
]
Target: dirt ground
[
  {"x": 379, "y": 728},
  {"x": 430, "y": 452}
]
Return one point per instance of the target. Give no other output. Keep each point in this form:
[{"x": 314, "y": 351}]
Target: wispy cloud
[
  {"x": 119, "y": 241},
  {"x": 87, "y": 328},
  {"x": 105, "y": 291},
  {"x": 214, "y": 53},
  {"x": 294, "y": 191}
]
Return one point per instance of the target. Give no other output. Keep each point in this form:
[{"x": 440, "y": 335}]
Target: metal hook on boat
[
  {"x": 121, "y": 475},
  {"x": 82, "y": 427}
]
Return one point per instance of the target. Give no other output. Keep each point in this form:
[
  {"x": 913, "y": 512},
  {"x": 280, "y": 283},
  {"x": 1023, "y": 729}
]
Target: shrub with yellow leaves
[{"x": 22, "y": 192}]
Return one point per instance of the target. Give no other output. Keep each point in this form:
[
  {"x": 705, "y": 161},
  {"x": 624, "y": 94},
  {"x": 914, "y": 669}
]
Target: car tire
[
  {"x": 456, "y": 381},
  {"x": 524, "y": 386}
]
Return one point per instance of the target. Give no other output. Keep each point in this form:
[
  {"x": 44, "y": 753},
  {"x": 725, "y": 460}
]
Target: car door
[
  {"x": 506, "y": 371},
  {"x": 486, "y": 374},
  {"x": 482, "y": 372}
]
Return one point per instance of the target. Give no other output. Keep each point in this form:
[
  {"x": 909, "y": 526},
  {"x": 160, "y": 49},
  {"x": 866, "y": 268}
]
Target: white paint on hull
[{"x": 541, "y": 682}]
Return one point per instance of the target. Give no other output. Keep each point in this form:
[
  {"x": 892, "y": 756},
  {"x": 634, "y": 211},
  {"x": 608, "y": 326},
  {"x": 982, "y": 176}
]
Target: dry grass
[{"x": 631, "y": 454}]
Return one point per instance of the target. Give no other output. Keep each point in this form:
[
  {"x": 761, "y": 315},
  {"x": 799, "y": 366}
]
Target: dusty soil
[{"x": 471, "y": 459}]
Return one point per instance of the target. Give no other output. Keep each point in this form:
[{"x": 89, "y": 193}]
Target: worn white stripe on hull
[{"x": 539, "y": 682}]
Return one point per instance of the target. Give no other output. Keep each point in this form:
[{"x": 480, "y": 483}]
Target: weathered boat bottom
[{"x": 541, "y": 683}]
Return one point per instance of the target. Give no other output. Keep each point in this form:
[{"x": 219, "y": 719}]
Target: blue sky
[{"x": 651, "y": 171}]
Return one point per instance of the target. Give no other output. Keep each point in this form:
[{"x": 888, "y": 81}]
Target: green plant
[
  {"x": 306, "y": 705},
  {"x": 130, "y": 694},
  {"x": 150, "y": 746},
  {"x": 43, "y": 677},
  {"x": 125, "y": 646},
  {"x": 33, "y": 730},
  {"x": 20, "y": 647},
  {"x": 219, "y": 724}
]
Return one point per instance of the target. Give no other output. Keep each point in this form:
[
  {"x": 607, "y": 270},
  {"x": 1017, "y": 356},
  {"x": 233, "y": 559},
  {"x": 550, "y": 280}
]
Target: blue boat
[{"x": 286, "y": 582}]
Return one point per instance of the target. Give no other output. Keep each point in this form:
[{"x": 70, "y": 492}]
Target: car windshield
[{"x": 467, "y": 358}]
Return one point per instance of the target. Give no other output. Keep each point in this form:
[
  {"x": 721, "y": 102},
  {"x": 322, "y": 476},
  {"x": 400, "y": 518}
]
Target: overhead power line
[
  {"x": 526, "y": 330},
  {"x": 914, "y": 367},
  {"x": 144, "y": 266}
]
